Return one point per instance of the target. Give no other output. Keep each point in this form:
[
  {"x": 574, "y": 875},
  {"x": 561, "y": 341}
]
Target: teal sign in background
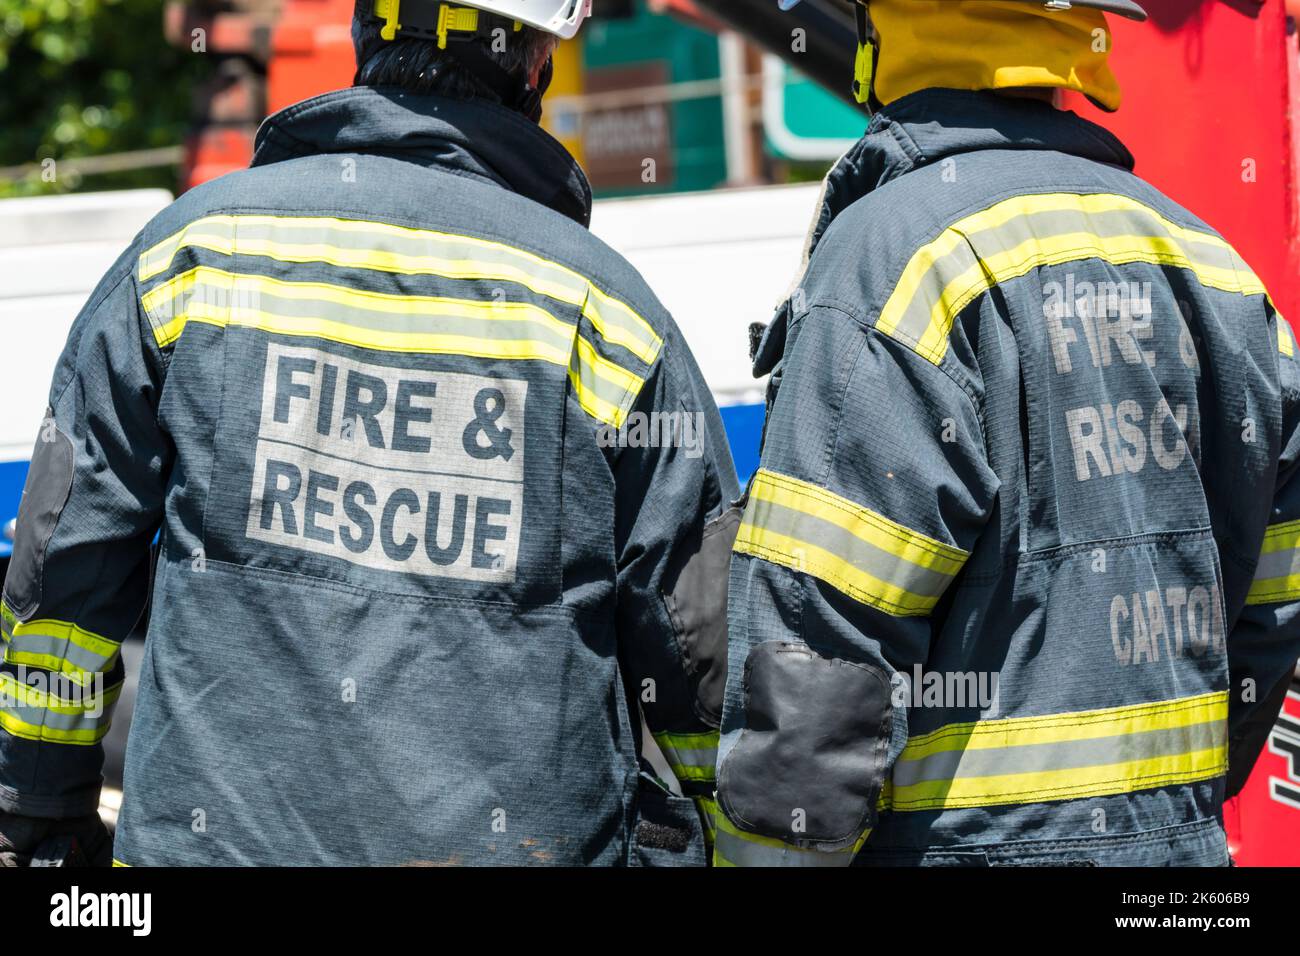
[
  {"x": 802, "y": 121},
  {"x": 808, "y": 122},
  {"x": 699, "y": 154}
]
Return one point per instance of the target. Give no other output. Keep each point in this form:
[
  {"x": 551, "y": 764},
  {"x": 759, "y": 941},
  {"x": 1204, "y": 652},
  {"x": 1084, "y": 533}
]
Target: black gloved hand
[{"x": 23, "y": 837}]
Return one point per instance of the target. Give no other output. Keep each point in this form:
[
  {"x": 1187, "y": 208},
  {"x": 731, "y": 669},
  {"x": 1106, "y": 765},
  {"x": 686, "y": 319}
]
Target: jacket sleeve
[
  {"x": 675, "y": 522},
  {"x": 1265, "y": 642},
  {"x": 78, "y": 579},
  {"x": 872, "y": 491}
]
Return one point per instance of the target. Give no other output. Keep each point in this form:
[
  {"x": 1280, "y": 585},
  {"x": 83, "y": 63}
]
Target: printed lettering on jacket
[{"x": 418, "y": 472}]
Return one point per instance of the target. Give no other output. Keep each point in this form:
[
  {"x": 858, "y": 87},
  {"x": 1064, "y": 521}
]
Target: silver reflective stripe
[
  {"x": 62, "y": 649},
  {"x": 1064, "y": 755},
  {"x": 844, "y": 544},
  {"x": 916, "y": 317},
  {"x": 43, "y": 717},
  {"x": 34, "y": 714},
  {"x": 1278, "y": 564},
  {"x": 252, "y": 294},
  {"x": 1019, "y": 234},
  {"x": 693, "y": 758},
  {"x": 1024, "y": 229},
  {"x": 618, "y": 395},
  {"x": 1105, "y": 223},
  {"x": 397, "y": 249},
  {"x": 361, "y": 244}
]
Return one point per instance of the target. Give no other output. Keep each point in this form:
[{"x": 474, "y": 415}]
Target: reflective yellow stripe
[
  {"x": 117, "y": 862},
  {"x": 865, "y": 555},
  {"x": 693, "y": 757},
  {"x": 1078, "y": 725},
  {"x": 58, "y": 646},
  {"x": 207, "y": 294},
  {"x": 700, "y": 741},
  {"x": 36, "y": 715},
  {"x": 735, "y": 847},
  {"x": 1277, "y": 576},
  {"x": 1063, "y": 756},
  {"x": 588, "y": 366},
  {"x": 382, "y": 247},
  {"x": 980, "y": 251},
  {"x": 483, "y": 329},
  {"x": 1095, "y": 781}
]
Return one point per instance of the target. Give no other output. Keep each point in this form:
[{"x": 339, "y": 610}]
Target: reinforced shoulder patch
[
  {"x": 697, "y": 606},
  {"x": 49, "y": 482},
  {"x": 810, "y": 762},
  {"x": 1021, "y": 233}
]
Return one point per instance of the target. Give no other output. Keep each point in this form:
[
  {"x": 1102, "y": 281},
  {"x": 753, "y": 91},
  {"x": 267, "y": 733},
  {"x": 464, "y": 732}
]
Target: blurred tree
[{"x": 85, "y": 78}]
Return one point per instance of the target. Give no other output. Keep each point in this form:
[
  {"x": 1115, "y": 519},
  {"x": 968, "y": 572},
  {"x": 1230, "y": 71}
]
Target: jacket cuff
[{"x": 46, "y": 806}]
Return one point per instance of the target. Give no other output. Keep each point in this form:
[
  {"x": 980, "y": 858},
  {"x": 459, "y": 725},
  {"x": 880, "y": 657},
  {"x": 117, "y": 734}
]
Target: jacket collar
[
  {"x": 929, "y": 126},
  {"x": 470, "y": 138}
]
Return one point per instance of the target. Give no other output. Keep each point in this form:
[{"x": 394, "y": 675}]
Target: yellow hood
[{"x": 991, "y": 45}]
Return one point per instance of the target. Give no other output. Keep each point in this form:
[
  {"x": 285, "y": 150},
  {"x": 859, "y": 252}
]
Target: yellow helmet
[
  {"x": 865, "y": 67},
  {"x": 1124, "y": 8}
]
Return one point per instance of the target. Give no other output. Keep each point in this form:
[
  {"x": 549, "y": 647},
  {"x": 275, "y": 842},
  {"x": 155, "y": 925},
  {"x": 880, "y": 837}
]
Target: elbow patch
[
  {"x": 49, "y": 482},
  {"x": 811, "y": 759},
  {"x": 697, "y": 607}
]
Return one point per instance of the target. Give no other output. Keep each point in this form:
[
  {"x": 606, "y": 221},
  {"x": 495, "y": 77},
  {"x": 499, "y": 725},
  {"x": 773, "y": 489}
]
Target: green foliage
[{"x": 89, "y": 77}]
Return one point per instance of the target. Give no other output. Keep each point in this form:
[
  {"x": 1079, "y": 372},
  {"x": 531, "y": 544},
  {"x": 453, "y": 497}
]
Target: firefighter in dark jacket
[
  {"x": 423, "y": 565},
  {"x": 1018, "y": 577}
]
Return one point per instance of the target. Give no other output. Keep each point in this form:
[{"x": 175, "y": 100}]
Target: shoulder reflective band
[
  {"x": 1064, "y": 756},
  {"x": 33, "y": 714},
  {"x": 57, "y": 646},
  {"x": 398, "y": 323},
  {"x": 1277, "y": 576},
  {"x": 357, "y": 244},
  {"x": 865, "y": 555},
  {"x": 734, "y": 847},
  {"x": 692, "y": 757},
  {"x": 1017, "y": 235}
]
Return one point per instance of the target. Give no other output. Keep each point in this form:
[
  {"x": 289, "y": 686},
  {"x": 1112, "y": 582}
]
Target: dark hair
[{"x": 418, "y": 65}]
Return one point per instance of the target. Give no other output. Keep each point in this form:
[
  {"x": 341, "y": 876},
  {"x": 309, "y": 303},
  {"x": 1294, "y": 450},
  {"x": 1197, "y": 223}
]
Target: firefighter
[
  {"x": 1015, "y": 580},
  {"x": 422, "y": 563}
]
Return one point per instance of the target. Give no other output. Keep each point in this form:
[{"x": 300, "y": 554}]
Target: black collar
[
  {"x": 469, "y": 137},
  {"x": 928, "y": 126}
]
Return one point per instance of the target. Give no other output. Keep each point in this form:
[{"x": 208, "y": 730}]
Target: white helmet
[{"x": 562, "y": 18}]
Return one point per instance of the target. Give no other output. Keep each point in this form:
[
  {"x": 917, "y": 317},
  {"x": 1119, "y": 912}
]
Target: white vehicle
[
  {"x": 53, "y": 252},
  {"x": 718, "y": 261}
]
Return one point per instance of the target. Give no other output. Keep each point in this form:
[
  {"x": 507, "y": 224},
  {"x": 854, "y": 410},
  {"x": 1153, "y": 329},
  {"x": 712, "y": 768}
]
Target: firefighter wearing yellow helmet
[
  {"x": 444, "y": 500},
  {"x": 1015, "y": 579}
]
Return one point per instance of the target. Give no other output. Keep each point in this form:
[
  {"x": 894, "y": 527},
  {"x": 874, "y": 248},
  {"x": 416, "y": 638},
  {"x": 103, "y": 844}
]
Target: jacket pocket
[{"x": 667, "y": 830}]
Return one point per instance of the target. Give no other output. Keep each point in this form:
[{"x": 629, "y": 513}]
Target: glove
[{"x": 81, "y": 841}]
